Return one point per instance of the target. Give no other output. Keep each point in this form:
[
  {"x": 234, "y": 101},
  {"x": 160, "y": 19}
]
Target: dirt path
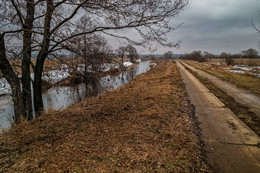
[
  {"x": 240, "y": 95},
  {"x": 229, "y": 144}
]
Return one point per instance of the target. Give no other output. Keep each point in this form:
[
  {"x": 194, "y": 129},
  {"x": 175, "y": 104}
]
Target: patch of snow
[
  {"x": 153, "y": 64},
  {"x": 257, "y": 75},
  {"x": 81, "y": 69},
  {"x": 256, "y": 68},
  {"x": 55, "y": 76},
  {"x": 50, "y": 76},
  {"x": 64, "y": 66},
  {"x": 138, "y": 60},
  {"x": 5, "y": 88},
  {"x": 127, "y": 64},
  {"x": 242, "y": 67},
  {"x": 108, "y": 66},
  {"x": 237, "y": 71},
  {"x": 238, "y": 66}
]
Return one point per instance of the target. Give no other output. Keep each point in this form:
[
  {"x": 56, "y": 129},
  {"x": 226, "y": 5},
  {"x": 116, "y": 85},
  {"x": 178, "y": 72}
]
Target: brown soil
[{"x": 143, "y": 126}]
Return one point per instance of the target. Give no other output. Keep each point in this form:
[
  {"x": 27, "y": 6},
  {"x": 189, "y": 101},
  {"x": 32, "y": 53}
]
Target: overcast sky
[{"x": 216, "y": 26}]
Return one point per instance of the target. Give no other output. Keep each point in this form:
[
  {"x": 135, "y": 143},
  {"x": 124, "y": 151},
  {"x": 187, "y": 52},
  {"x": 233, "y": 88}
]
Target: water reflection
[{"x": 62, "y": 96}]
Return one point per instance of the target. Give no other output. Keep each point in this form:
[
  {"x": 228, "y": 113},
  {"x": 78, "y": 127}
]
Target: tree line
[{"x": 204, "y": 56}]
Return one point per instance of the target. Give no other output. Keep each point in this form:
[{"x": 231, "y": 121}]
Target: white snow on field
[
  {"x": 153, "y": 64},
  {"x": 55, "y": 76},
  {"x": 239, "y": 66},
  {"x": 50, "y": 76},
  {"x": 108, "y": 66},
  {"x": 127, "y": 64},
  {"x": 138, "y": 60},
  {"x": 242, "y": 67},
  {"x": 237, "y": 71},
  {"x": 4, "y": 87},
  {"x": 257, "y": 75}
]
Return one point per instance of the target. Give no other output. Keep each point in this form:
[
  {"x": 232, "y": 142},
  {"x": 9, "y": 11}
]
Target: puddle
[{"x": 61, "y": 97}]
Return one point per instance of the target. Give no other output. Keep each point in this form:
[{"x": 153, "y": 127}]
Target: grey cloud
[
  {"x": 214, "y": 26},
  {"x": 217, "y": 25}
]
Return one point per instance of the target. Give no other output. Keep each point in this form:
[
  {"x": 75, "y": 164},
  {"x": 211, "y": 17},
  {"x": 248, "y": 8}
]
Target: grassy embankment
[
  {"x": 242, "y": 112},
  {"x": 245, "y": 81},
  {"x": 143, "y": 126}
]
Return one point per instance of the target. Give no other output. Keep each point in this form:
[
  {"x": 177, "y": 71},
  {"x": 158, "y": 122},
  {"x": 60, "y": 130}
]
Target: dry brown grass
[
  {"x": 49, "y": 64},
  {"x": 239, "y": 61},
  {"x": 143, "y": 126}
]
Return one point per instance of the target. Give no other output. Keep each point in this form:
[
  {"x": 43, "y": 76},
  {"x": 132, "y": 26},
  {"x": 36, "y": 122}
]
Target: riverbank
[{"x": 143, "y": 126}]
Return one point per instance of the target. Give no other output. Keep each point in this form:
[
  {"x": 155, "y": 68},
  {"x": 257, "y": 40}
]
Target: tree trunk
[
  {"x": 26, "y": 78},
  {"x": 13, "y": 80},
  {"x": 37, "y": 84},
  {"x": 132, "y": 59},
  {"x": 37, "y": 87}
]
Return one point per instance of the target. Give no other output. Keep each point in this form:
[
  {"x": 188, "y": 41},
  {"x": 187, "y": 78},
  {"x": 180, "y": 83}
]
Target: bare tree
[
  {"x": 92, "y": 49},
  {"x": 208, "y": 55},
  {"x": 45, "y": 26},
  {"x": 228, "y": 58},
  {"x": 195, "y": 55},
  {"x": 13, "y": 80},
  {"x": 132, "y": 53},
  {"x": 121, "y": 51},
  {"x": 250, "y": 53},
  {"x": 168, "y": 54}
]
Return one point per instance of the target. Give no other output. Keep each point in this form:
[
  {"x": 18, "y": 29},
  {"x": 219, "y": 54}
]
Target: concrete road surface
[
  {"x": 240, "y": 95},
  {"x": 230, "y": 145}
]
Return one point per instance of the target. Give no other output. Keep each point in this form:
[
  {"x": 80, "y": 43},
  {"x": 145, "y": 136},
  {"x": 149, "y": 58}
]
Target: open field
[
  {"x": 239, "y": 61},
  {"x": 245, "y": 81},
  {"x": 143, "y": 126}
]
